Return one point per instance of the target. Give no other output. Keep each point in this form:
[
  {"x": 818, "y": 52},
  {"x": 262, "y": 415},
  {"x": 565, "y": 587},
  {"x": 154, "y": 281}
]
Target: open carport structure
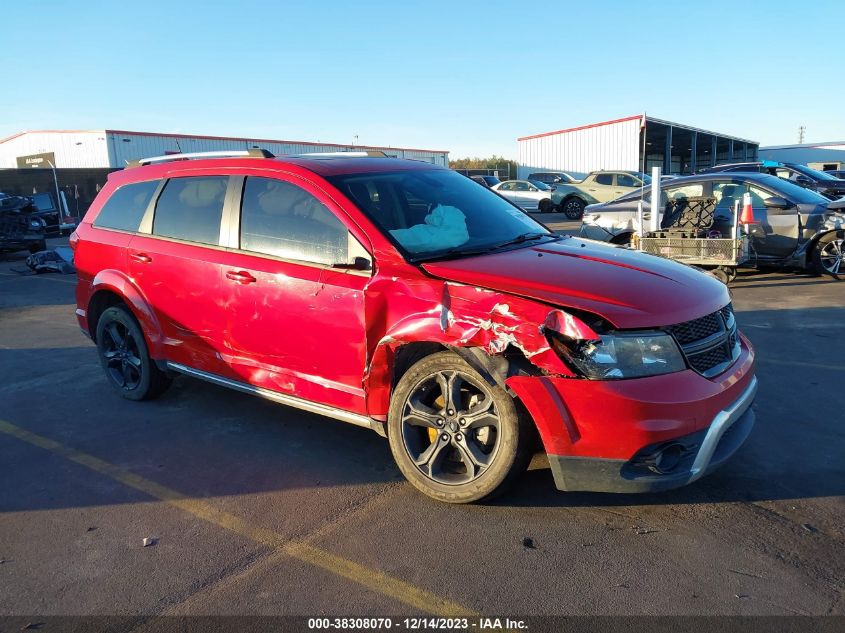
[{"x": 635, "y": 143}]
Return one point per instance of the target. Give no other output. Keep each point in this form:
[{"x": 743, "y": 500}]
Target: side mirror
[
  {"x": 358, "y": 263},
  {"x": 776, "y": 202}
]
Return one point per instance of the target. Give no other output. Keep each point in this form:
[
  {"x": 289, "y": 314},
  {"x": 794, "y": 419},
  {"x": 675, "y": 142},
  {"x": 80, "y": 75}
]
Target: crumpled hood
[{"x": 627, "y": 288}]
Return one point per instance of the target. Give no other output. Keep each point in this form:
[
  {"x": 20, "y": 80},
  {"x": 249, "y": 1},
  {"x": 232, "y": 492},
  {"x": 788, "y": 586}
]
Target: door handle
[
  {"x": 240, "y": 276},
  {"x": 141, "y": 257}
]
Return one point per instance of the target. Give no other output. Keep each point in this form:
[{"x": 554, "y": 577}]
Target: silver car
[
  {"x": 793, "y": 227},
  {"x": 529, "y": 196}
]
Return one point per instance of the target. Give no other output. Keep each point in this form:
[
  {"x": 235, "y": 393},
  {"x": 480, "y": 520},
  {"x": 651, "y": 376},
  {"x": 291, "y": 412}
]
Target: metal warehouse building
[
  {"x": 113, "y": 148},
  {"x": 825, "y": 155},
  {"x": 634, "y": 143}
]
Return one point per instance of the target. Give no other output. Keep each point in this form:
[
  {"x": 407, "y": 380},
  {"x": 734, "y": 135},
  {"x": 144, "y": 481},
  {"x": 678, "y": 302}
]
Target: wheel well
[
  {"x": 100, "y": 302},
  {"x": 408, "y": 354}
]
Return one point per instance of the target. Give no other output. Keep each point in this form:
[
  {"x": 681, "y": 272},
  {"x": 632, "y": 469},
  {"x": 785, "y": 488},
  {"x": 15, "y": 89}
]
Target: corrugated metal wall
[
  {"x": 607, "y": 146},
  {"x": 124, "y": 147},
  {"x": 108, "y": 149},
  {"x": 86, "y": 149}
]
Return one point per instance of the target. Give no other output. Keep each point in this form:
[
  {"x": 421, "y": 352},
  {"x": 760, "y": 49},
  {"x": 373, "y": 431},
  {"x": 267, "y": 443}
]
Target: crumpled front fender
[{"x": 402, "y": 311}]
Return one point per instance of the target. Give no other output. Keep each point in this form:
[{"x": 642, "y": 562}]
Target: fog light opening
[{"x": 667, "y": 459}]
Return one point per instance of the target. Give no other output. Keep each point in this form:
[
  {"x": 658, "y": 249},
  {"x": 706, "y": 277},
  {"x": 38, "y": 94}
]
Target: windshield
[
  {"x": 794, "y": 192},
  {"x": 813, "y": 173},
  {"x": 540, "y": 185},
  {"x": 436, "y": 212},
  {"x": 644, "y": 177}
]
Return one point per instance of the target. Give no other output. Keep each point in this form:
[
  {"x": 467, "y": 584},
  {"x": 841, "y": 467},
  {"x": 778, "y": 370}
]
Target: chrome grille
[{"x": 710, "y": 344}]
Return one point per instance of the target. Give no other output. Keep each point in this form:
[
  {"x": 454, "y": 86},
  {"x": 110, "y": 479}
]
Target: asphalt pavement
[{"x": 254, "y": 508}]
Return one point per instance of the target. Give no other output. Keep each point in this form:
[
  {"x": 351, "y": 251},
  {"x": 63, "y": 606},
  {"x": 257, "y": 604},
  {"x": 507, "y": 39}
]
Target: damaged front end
[{"x": 484, "y": 326}]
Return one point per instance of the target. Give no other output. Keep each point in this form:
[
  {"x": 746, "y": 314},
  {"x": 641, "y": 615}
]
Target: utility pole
[{"x": 801, "y": 131}]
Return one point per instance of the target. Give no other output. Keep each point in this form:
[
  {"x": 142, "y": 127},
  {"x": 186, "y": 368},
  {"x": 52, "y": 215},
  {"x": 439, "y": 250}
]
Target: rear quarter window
[{"x": 126, "y": 206}]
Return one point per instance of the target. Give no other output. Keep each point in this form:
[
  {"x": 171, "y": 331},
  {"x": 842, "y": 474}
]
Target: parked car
[
  {"x": 598, "y": 186},
  {"x": 794, "y": 227},
  {"x": 822, "y": 182},
  {"x": 487, "y": 181},
  {"x": 54, "y": 213},
  {"x": 401, "y": 297},
  {"x": 526, "y": 195},
  {"x": 836, "y": 173},
  {"x": 552, "y": 178},
  {"x": 20, "y": 229},
  {"x": 9, "y": 202}
]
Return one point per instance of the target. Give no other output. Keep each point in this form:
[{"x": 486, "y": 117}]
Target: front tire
[
  {"x": 124, "y": 356},
  {"x": 573, "y": 208},
  {"x": 829, "y": 254},
  {"x": 454, "y": 436},
  {"x": 545, "y": 205}
]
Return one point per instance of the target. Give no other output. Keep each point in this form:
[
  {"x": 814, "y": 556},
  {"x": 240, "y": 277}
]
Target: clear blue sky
[{"x": 469, "y": 77}]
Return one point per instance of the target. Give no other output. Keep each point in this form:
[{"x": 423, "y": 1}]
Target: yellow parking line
[
  {"x": 372, "y": 579},
  {"x": 799, "y": 363}
]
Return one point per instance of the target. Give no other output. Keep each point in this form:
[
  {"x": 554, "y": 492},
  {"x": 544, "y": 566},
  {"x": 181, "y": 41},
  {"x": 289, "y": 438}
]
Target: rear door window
[
  {"x": 283, "y": 220},
  {"x": 126, "y": 206},
  {"x": 190, "y": 209}
]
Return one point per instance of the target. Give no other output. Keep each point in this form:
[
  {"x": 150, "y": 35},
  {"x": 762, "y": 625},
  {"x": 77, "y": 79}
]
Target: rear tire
[
  {"x": 573, "y": 208},
  {"x": 454, "y": 436},
  {"x": 37, "y": 248},
  {"x": 124, "y": 356}
]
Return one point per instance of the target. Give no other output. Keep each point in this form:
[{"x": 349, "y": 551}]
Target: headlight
[{"x": 622, "y": 355}]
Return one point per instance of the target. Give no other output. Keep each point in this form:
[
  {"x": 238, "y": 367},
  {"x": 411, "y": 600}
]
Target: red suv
[{"x": 409, "y": 299}]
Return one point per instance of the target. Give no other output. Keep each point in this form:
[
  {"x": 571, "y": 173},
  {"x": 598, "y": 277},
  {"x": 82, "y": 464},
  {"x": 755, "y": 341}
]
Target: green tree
[{"x": 506, "y": 168}]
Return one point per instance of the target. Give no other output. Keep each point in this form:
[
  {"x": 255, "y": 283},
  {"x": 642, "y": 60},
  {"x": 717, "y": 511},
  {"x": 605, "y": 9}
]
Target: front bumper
[
  {"x": 701, "y": 453},
  {"x": 615, "y": 436}
]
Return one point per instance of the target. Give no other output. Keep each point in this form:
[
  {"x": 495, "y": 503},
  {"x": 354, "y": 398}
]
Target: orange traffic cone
[{"x": 747, "y": 216}]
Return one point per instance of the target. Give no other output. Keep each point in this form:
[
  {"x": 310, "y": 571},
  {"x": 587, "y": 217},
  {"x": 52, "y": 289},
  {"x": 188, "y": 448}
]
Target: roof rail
[
  {"x": 247, "y": 153},
  {"x": 373, "y": 153}
]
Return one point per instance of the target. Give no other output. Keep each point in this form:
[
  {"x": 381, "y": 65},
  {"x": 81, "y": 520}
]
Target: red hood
[{"x": 629, "y": 289}]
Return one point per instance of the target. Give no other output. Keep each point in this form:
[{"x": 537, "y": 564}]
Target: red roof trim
[
  {"x": 226, "y": 138},
  {"x": 582, "y": 127}
]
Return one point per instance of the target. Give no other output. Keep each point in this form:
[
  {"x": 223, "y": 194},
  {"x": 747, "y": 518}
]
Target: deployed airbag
[{"x": 444, "y": 227}]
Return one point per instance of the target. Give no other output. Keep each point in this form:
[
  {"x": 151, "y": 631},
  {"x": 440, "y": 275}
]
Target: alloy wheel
[
  {"x": 831, "y": 256},
  {"x": 450, "y": 428},
  {"x": 123, "y": 360}
]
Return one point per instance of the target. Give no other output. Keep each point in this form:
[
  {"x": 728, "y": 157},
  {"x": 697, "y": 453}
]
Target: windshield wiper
[
  {"x": 525, "y": 237},
  {"x": 464, "y": 252}
]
